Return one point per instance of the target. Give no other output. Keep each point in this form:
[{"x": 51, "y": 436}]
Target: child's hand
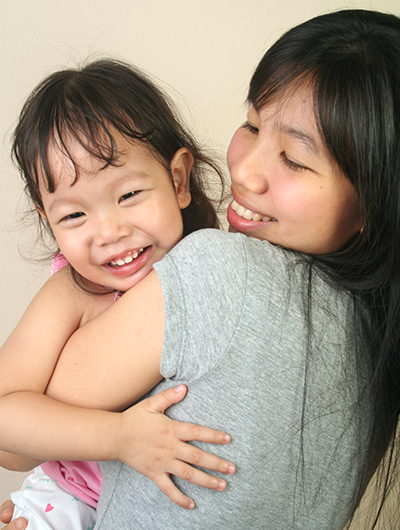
[
  {"x": 6, "y": 511},
  {"x": 154, "y": 445}
]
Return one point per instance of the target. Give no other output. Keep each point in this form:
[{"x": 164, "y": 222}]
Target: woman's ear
[{"x": 181, "y": 167}]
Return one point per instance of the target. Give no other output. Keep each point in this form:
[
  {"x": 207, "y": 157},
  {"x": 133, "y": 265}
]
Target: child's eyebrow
[{"x": 58, "y": 203}]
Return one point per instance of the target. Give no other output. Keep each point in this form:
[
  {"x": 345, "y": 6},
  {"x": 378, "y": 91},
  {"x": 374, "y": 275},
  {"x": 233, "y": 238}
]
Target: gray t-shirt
[{"x": 237, "y": 335}]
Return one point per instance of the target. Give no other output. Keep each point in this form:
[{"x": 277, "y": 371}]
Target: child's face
[
  {"x": 112, "y": 224},
  {"x": 286, "y": 187}
]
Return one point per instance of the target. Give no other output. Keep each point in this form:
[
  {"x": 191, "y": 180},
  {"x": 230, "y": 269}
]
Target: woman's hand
[
  {"x": 6, "y": 511},
  {"x": 155, "y": 446}
]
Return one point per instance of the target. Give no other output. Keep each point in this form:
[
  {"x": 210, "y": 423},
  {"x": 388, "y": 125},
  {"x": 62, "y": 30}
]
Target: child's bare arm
[
  {"x": 28, "y": 358},
  {"x": 131, "y": 369},
  {"x": 114, "y": 360},
  {"x": 14, "y": 462}
]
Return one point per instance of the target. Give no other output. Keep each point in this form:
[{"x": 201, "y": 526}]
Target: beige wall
[{"x": 204, "y": 51}]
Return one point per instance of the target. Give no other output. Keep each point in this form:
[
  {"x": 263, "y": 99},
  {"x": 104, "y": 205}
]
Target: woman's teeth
[
  {"x": 127, "y": 259},
  {"x": 248, "y": 214}
]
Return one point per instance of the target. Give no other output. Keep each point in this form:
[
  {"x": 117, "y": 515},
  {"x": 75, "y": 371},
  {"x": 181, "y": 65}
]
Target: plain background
[{"x": 202, "y": 52}]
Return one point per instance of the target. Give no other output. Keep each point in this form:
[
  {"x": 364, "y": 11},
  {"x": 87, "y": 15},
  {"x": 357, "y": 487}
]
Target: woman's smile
[{"x": 286, "y": 188}]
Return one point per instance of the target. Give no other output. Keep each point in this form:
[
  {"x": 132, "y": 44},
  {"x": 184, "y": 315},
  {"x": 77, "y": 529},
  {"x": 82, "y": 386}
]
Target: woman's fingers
[
  {"x": 17, "y": 524},
  {"x": 6, "y": 513}
]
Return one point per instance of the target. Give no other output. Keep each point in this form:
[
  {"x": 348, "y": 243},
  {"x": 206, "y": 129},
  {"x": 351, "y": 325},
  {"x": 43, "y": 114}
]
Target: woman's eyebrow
[{"x": 304, "y": 138}]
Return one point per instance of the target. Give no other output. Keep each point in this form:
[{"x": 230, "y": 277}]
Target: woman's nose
[
  {"x": 110, "y": 228},
  {"x": 250, "y": 170}
]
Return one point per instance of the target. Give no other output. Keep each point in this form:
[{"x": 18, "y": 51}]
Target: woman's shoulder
[
  {"x": 218, "y": 242},
  {"x": 212, "y": 237},
  {"x": 227, "y": 255}
]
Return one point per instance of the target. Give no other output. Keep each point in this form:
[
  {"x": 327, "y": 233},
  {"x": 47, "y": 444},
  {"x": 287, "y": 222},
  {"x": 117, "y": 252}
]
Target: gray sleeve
[{"x": 204, "y": 282}]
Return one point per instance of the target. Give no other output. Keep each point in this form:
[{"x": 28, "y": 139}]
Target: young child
[{"x": 118, "y": 181}]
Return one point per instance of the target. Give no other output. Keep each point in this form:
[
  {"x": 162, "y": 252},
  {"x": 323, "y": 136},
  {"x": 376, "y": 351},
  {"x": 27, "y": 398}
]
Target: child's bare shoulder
[{"x": 87, "y": 304}]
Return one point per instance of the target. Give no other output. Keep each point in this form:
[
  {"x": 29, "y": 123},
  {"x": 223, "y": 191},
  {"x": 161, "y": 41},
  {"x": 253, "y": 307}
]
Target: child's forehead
[
  {"x": 71, "y": 159},
  {"x": 72, "y": 155}
]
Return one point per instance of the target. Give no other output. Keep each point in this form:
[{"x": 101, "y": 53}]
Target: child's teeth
[{"x": 128, "y": 259}]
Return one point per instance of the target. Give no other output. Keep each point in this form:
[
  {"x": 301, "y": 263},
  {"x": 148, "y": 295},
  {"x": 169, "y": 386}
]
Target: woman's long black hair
[{"x": 351, "y": 61}]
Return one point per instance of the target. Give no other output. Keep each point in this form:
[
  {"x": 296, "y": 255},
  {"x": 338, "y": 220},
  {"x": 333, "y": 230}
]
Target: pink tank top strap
[{"x": 59, "y": 262}]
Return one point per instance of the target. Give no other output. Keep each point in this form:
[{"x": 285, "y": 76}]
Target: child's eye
[
  {"x": 75, "y": 215},
  {"x": 128, "y": 195},
  {"x": 292, "y": 165},
  {"x": 250, "y": 127}
]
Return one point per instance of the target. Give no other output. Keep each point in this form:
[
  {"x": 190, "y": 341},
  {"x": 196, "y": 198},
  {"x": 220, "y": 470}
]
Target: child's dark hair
[
  {"x": 350, "y": 60},
  {"x": 88, "y": 103}
]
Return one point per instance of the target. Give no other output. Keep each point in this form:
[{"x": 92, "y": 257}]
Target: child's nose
[{"x": 110, "y": 229}]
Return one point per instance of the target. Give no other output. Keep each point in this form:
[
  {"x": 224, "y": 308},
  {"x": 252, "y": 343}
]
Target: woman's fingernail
[
  {"x": 191, "y": 506},
  {"x": 19, "y": 524},
  {"x": 227, "y": 438},
  {"x": 178, "y": 389}
]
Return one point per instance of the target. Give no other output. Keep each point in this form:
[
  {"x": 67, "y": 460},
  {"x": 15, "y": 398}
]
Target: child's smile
[
  {"x": 112, "y": 223},
  {"x": 128, "y": 262}
]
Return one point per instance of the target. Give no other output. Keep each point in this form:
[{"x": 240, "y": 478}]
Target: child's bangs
[{"x": 92, "y": 131}]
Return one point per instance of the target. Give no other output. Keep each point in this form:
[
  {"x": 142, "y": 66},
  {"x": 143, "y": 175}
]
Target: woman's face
[{"x": 286, "y": 187}]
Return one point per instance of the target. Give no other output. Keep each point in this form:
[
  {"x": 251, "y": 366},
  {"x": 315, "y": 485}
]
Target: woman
[{"x": 291, "y": 345}]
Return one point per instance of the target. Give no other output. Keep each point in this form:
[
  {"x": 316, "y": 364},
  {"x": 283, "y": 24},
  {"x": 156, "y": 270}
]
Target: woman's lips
[{"x": 247, "y": 214}]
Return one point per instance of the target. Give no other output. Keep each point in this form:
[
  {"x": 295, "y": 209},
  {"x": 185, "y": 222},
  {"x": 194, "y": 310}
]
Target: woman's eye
[
  {"x": 128, "y": 196},
  {"x": 292, "y": 165},
  {"x": 250, "y": 127}
]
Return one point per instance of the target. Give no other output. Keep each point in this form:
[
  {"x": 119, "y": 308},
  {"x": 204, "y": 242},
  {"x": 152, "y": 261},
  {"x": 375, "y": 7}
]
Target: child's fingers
[
  {"x": 190, "y": 432},
  {"x": 169, "y": 489},
  {"x": 187, "y": 432},
  {"x": 197, "y": 457},
  {"x": 191, "y": 474},
  {"x": 161, "y": 401}
]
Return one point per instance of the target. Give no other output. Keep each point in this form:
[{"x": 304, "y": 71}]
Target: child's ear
[
  {"x": 181, "y": 166},
  {"x": 41, "y": 212}
]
